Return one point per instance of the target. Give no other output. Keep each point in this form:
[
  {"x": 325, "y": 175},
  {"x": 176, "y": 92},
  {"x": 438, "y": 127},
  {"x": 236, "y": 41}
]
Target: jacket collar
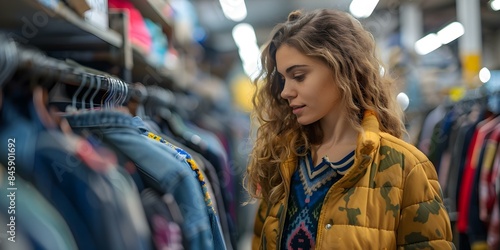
[
  {"x": 369, "y": 138},
  {"x": 368, "y": 142},
  {"x": 367, "y": 145}
]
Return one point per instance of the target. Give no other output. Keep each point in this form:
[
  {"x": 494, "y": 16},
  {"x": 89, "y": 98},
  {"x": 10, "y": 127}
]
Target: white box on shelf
[{"x": 98, "y": 13}]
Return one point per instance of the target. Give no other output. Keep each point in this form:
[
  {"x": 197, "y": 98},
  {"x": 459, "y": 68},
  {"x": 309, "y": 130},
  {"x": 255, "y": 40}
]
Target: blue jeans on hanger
[{"x": 159, "y": 168}]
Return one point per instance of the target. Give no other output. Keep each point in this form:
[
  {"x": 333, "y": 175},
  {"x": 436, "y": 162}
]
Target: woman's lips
[{"x": 297, "y": 109}]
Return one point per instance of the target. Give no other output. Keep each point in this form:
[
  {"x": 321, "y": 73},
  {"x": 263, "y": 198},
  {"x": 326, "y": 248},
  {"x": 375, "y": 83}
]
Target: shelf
[
  {"x": 56, "y": 29},
  {"x": 31, "y": 22},
  {"x": 145, "y": 72},
  {"x": 151, "y": 9}
]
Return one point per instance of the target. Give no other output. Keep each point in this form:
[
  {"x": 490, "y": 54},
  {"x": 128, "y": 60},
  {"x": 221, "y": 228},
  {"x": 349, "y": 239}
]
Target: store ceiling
[
  {"x": 221, "y": 49},
  {"x": 264, "y": 14}
]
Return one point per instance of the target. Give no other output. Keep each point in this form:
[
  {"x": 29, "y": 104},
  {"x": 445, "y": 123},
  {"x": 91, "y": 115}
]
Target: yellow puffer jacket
[{"x": 389, "y": 199}]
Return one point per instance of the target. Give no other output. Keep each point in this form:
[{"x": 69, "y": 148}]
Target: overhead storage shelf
[
  {"x": 32, "y": 22},
  {"x": 53, "y": 27},
  {"x": 146, "y": 72},
  {"x": 152, "y": 9}
]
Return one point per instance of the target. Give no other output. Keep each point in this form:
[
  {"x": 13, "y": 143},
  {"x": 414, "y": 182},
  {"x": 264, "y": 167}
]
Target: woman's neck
[{"x": 339, "y": 139}]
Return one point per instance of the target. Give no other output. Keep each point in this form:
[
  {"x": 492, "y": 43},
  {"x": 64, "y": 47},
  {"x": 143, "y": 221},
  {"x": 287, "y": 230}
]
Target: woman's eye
[{"x": 299, "y": 77}]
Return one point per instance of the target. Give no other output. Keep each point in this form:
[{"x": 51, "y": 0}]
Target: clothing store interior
[{"x": 125, "y": 124}]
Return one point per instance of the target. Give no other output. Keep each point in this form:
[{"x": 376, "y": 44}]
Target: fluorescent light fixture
[
  {"x": 235, "y": 10},
  {"x": 484, "y": 75},
  {"x": 250, "y": 55},
  {"x": 433, "y": 41},
  {"x": 243, "y": 33},
  {"x": 451, "y": 32},
  {"x": 427, "y": 44},
  {"x": 246, "y": 41},
  {"x": 495, "y": 5},
  {"x": 362, "y": 8}
]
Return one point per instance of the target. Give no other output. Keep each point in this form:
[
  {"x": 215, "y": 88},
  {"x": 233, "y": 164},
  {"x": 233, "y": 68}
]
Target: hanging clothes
[
  {"x": 33, "y": 215},
  {"x": 214, "y": 219},
  {"x": 464, "y": 149},
  {"x": 164, "y": 220},
  {"x": 103, "y": 177},
  {"x": 161, "y": 168},
  {"x": 97, "y": 200}
]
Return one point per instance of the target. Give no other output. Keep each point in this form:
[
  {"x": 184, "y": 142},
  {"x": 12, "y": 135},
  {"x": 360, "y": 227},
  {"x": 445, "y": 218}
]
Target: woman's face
[{"x": 309, "y": 86}]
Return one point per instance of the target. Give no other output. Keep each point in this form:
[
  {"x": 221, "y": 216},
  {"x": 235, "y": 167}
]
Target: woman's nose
[{"x": 287, "y": 91}]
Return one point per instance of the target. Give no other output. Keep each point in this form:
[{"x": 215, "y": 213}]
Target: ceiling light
[
  {"x": 451, "y": 32},
  {"x": 250, "y": 59},
  {"x": 362, "y": 8},
  {"x": 433, "y": 41},
  {"x": 484, "y": 75},
  {"x": 235, "y": 10},
  {"x": 427, "y": 44},
  {"x": 246, "y": 41},
  {"x": 244, "y": 33},
  {"x": 495, "y": 5}
]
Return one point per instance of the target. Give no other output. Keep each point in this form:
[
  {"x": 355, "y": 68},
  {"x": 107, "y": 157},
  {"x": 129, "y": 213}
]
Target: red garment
[
  {"x": 473, "y": 152},
  {"x": 138, "y": 32},
  {"x": 466, "y": 188},
  {"x": 487, "y": 194}
]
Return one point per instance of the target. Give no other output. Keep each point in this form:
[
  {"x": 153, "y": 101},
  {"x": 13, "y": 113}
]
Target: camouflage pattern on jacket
[{"x": 389, "y": 199}]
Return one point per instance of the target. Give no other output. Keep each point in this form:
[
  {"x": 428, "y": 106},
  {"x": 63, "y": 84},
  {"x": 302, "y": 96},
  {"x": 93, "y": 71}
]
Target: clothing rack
[
  {"x": 15, "y": 59},
  {"x": 161, "y": 96}
]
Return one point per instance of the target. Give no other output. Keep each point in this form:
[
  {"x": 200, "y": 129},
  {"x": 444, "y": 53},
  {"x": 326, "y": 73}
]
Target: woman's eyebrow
[{"x": 294, "y": 67}]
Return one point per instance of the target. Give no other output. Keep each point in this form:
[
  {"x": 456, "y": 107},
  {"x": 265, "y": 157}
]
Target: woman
[{"x": 328, "y": 164}]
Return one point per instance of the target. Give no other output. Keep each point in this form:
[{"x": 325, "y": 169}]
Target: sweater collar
[{"x": 368, "y": 141}]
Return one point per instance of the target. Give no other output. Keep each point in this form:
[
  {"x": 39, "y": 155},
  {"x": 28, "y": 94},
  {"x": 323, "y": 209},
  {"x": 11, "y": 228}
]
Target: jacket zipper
[
  {"x": 328, "y": 194},
  {"x": 320, "y": 227}
]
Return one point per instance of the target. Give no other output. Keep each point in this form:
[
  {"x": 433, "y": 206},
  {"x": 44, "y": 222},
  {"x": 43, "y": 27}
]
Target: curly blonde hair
[{"x": 342, "y": 43}]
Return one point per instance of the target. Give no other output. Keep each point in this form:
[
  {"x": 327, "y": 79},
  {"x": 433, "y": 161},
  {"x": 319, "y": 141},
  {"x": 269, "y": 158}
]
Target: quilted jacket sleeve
[
  {"x": 424, "y": 221},
  {"x": 260, "y": 217}
]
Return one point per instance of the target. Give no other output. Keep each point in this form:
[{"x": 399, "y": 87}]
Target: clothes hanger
[
  {"x": 114, "y": 93},
  {"x": 77, "y": 92},
  {"x": 105, "y": 95},
  {"x": 121, "y": 94},
  {"x": 109, "y": 93},
  {"x": 118, "y": 92},
  {"x": 121, "y": 90},
  {"x": 126, "y": 95},
  {"x": 97, "y": 89},
  {"x": 89, "y": 89}
]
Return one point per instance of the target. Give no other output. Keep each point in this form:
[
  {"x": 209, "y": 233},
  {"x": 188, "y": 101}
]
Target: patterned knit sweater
[{"x": 308, "y": 189}]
